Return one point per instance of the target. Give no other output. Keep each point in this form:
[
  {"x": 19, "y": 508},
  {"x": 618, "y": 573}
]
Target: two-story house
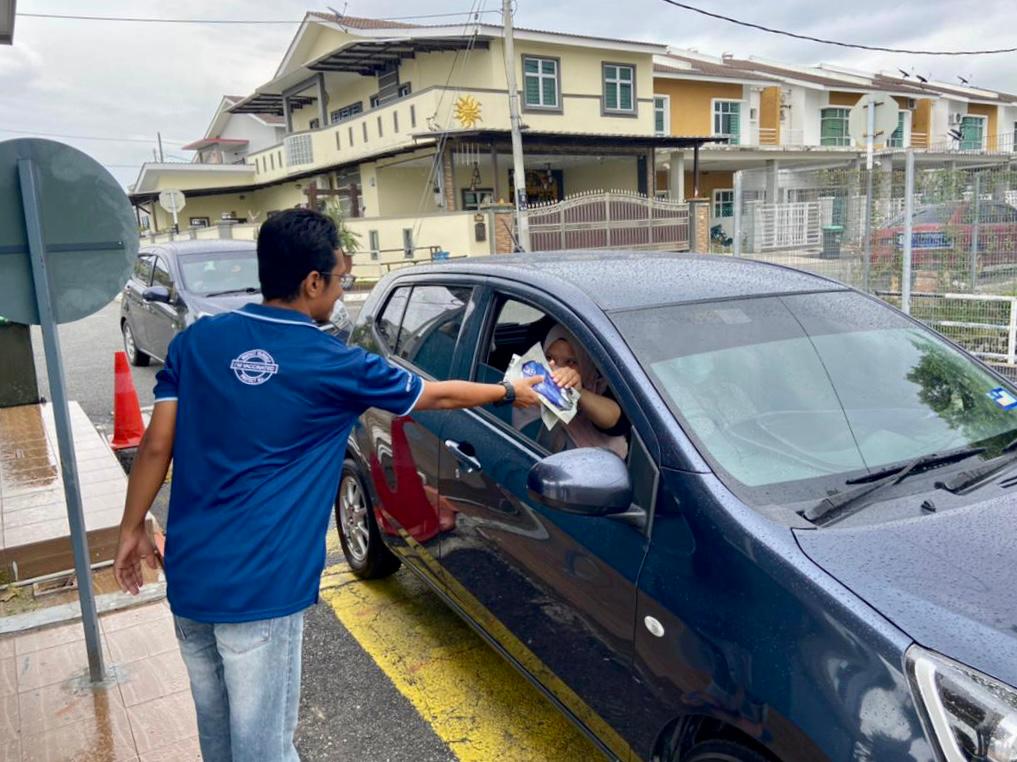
[
  {"x": 216, "y": 180},
  {"x": 409, "y": 126}
]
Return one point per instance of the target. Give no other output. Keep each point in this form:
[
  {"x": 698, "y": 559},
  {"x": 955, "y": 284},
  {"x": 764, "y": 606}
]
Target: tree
[{"x": 349, "y": 240}]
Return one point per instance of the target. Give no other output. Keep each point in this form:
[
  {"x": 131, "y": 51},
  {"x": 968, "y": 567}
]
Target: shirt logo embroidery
[{"x": 254, "y": 367}]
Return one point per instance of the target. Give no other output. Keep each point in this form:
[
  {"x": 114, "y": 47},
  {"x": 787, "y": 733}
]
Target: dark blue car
[{"x": 808, "y": 552}]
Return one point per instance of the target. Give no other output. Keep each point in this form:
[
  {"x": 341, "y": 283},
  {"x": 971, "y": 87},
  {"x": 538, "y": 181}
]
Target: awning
[
  {"x": 7, "y": 14},
  {"x": 554, "y": 138},
  {"x": 270, "y": 103},
  {"x": 370, "y": 58},
  {"x": 199, "y": 145}
]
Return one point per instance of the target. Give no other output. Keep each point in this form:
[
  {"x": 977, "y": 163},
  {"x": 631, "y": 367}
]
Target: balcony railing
[{"x": 1003, "y": 143}]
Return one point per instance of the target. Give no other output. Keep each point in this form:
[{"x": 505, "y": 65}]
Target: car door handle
[{"x": 469, "y": 463}]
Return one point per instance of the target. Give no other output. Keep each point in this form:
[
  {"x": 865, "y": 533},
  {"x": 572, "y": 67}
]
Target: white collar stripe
[{"x": 276, "y": 320}]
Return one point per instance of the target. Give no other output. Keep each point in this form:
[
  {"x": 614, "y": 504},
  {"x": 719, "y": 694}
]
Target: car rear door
[
  {"x": 417, "y": 327},
  {"x": 556, "y": 591}
]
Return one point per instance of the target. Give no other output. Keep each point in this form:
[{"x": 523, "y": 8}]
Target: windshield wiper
[
  {"x": 248, "y": 290},
  {"x": 974, "y": 477},
  {"x": 843, "y": 504}
]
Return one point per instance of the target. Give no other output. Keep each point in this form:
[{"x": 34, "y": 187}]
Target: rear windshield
[
  {"x": 788, "y": 397},
  {"x": 216, "y": 271}
]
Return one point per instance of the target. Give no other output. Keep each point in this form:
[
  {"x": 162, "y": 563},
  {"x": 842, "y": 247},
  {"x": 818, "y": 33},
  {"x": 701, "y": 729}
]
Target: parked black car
[
  {"x": 174, "y": 284},
  {"x": 807, "y": 554}
]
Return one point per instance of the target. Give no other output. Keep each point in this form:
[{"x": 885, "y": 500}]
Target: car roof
[
  {"x": 174, "y": 248},
  {"x": 621, "y": 280}
]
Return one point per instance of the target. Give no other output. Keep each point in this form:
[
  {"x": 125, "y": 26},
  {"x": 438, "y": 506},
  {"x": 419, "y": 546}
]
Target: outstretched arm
[{"x": 453, "y": 395}]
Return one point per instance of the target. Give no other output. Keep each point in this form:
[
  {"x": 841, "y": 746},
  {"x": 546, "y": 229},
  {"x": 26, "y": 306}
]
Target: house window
[
  {"x": 619, "y": 88},
  {"x": 723, "y": 203},
  {"x": 474, "y": 199},
  {"x": 661, "y": 114},
  {"x": 346, "y": 112},
  {"x": 375, "y": 101},
  {"x": 972, "y": 129},
  {"x": 897, "y": 136},
  {"x": 314, "y": 124},
  {"x": 373, "y": 244},
  {"x": 405, "y": 89},
  {"x": 408, "y": 243},
  {"x": 727, "y": 120},
  {"x": 540, "y": 82},
  {"x": 833, "y": 127}
]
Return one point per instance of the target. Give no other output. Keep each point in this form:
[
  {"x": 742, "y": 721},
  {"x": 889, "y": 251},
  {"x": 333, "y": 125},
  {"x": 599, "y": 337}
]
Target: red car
[{"x": 942, "y": 236}]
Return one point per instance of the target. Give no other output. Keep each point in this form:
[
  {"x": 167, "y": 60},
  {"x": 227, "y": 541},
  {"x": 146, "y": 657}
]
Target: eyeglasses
[{"x": 345, "y": 281}]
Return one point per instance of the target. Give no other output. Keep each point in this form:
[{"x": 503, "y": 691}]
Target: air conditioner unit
[
  {"x": 911, "y": 104},
  {"x": 956, "y": 118}
]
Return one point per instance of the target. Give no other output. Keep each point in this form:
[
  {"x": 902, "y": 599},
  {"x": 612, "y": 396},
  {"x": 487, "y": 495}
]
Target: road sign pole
[
  {"x": 176, "y": 222},
  {"x": 61, "y": 414},
  {"x": 909, "y": 210}
]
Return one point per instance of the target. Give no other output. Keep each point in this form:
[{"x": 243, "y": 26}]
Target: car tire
[
  {"x": 134, "y": 355},
  {"x": 722, "y": 751},
  {"x": 359, "y": 536}
]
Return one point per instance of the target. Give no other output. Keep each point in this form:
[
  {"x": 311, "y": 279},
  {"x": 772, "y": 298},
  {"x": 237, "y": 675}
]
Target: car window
[
  {"x": 430, "y": 327},
  {"x": 143, "y": 268},
  {"x": 391, "y": 317},
  {"x": 220, "y": 272},
  {"x": 790, "y": 397},
  {"x": 160, "y": 274},
  {"x": 517, "y": 328}
]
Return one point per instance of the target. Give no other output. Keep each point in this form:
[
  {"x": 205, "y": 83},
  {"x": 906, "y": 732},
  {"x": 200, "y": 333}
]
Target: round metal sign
[
  {"x": 885, "y": 118},
  {"x": 89, "y": 232},
  {"x": 172, "y": 200}
]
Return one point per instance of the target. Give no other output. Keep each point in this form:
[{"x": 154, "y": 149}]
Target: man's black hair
[{"x": 292, "y": 245}]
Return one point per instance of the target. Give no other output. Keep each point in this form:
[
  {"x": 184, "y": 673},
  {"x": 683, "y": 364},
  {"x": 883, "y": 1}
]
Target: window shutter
[
  {"x": 550, "y": 94},
  {"x": 532, "y": 91},
  {"x": 625, "y": 93},
  {"x": 611, "y": 95}
]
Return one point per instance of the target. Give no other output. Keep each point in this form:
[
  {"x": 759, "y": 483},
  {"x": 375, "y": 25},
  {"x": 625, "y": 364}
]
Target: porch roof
[
  {"x": 269, "y": 103},
  {"x": 370, "y": 58},
  {"x": 197, "y": 145},
  {"x": 563, "y": 139}
]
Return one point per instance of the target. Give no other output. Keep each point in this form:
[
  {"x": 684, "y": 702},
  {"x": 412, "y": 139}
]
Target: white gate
[
  {"x": 783, "y": 226},
  {"x": 609, "y": 220}
]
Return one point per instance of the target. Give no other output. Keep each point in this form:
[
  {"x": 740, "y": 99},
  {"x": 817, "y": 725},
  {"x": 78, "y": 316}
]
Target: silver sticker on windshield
[{"x": 1003, "y": 398}]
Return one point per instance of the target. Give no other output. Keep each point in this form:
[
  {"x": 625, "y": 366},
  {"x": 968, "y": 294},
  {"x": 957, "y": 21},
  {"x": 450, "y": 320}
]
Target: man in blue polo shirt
[{"x": 254, "y": 408}]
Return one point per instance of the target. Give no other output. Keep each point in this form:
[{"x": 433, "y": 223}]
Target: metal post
[
  {"x": 1011, "y": 335},
  {"x": 518, "y": 170},
  {"x": 909, "y": 210},
  {"x": 738, "y": 213},
  {"x": 158, "y": 136},
  {"x": 867, "y": 232},
  {"x": 61, "y": 414},
  {"x": 975, "y": 231}
]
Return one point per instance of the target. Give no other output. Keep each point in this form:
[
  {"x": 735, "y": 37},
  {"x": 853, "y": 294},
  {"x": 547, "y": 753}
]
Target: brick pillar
[
  {"x": 448, "y": 181},
  {"x": 699, "y": 225},
  {"x": 503, "y": 219}
]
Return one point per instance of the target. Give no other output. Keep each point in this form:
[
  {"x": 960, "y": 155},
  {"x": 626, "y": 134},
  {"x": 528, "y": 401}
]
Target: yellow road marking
[{"x": 471, "y": 697}]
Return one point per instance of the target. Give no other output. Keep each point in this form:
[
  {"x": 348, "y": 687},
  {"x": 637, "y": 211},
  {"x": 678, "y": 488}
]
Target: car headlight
[{"x": 973, "y": 716}]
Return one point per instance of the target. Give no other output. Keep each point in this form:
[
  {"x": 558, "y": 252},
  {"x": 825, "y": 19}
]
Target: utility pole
[
  {"x": 518, "y": 170},
  {"x": 158, "y": 135}
]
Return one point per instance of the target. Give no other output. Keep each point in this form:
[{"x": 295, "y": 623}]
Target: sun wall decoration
[{"x": 467, "y": 111}]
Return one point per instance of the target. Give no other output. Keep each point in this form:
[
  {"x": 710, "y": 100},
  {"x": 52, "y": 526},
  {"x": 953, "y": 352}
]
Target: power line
[
  {"x": 859, "y": 46},
  {"x": 148, "y": 20},
  {"x": 33, "y": 133}
]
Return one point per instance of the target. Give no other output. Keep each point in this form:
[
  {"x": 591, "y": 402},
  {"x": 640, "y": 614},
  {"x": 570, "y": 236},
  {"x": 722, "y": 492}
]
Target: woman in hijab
[{"x": 599, "y": 422}]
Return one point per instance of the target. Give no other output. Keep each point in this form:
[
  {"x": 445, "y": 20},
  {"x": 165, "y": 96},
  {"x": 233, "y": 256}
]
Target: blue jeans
[{"x": 245, "y": 680}]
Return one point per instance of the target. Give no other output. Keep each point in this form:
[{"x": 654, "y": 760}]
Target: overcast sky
[{"x": 128, "y": 81}]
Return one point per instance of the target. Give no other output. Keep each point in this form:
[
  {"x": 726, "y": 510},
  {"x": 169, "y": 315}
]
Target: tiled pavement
[{"x": 46, "y": 715}]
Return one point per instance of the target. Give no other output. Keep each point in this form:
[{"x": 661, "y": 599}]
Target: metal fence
[{"x": 936, "y": 240}]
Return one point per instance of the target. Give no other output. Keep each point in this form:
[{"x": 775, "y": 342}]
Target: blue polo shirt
[{"x": 265, "y": 404}]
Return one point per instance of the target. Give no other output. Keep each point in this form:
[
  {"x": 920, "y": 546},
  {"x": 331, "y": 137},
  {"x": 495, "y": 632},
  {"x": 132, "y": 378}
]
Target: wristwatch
[{"x": 510, "y": 394}]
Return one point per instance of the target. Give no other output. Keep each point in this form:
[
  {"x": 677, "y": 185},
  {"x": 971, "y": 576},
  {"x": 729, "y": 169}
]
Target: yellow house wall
[
  {"x": 400, "y": 190},
  {"x": 453, "y": 233},
  {"x": 326, "y": 41},
  {"x": 844, "y": 99},
  {"x": 992, "y": 126},
  {"x": 692, "y": 103},
  {"x": 708, "y": 183},
  {"x": 279, "y": 197},
  {"x": 921, "y": 119},
  {"x": 611, "y": 174},
  {"x": 769, "y": 111},
  {"x": 186, "y": 181},
  {"x": 204, "y": 206}
]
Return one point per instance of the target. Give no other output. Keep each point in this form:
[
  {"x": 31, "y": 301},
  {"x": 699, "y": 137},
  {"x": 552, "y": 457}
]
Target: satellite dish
[{"x": 886, "y": 111}]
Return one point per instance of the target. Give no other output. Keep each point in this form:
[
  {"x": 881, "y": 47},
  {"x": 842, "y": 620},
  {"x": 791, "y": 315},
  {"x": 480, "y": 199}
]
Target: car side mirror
[
  {"x": 588, "y": 481},
  {"x": 157, "y": 294}
]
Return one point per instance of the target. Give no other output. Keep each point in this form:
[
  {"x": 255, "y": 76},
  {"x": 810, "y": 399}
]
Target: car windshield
[
  {"x": 211, "y": 272},
  {"x": 789, "y": 397}
]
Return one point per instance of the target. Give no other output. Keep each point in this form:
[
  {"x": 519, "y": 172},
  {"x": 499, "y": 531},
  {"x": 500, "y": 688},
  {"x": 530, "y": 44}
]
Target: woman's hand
[{"x": 566, "y": 378}]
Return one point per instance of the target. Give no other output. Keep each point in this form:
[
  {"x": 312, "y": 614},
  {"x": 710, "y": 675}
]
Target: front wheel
[
  {"x": 358, "y": 530},
  {"x": 134, "y": 355}
]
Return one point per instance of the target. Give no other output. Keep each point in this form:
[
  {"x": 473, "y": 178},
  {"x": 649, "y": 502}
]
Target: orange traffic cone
[{"x": 127, "y": 424}]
